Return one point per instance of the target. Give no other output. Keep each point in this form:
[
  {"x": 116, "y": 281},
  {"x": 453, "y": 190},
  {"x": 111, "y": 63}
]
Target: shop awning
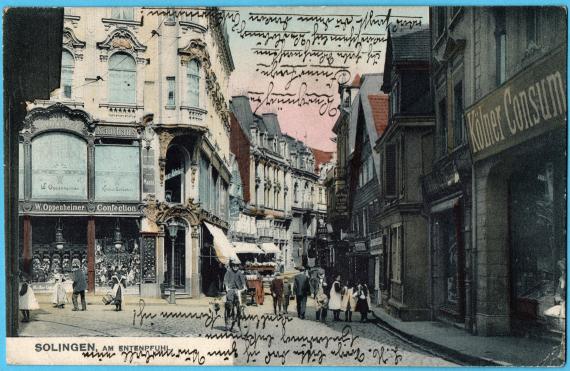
[
  {"x": 247, "y": 248},
  {"x": 222, "y": 246},
  {"x": 270, "y": 248}
]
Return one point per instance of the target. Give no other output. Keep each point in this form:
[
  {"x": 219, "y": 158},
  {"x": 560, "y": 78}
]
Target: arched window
[
  {"x": 122, "y": 78},
  {"x": 67, "y": 65},
  {"x": 193, "y": 83}
]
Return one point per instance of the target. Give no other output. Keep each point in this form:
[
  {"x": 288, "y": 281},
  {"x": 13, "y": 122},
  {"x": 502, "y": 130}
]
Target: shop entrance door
[{"x": 179, "y": 260}]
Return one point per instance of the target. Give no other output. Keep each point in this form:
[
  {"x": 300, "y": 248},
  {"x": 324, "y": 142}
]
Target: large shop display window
[
  {"x": 117, "y": 252},
  {"x": 117, "y": 180},
  {"x": 59, "y": 167},
  {"x": 538, "y": 256},
  {"x": 50, "y": 258}
]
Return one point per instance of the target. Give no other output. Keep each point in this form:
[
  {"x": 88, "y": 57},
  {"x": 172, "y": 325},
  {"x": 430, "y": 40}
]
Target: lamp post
[
  {"x": 172, "y": 231},
  {"x": 117, "y": 241},
  {"x": 59, "y": 241}
]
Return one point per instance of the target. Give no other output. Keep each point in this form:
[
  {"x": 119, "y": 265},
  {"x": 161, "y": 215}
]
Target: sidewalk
[
  {"x": 96, "y": 299},
  {"x": 475, "y": 350}
]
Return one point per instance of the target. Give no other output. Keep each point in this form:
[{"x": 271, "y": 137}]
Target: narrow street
[{"x": 371, "y": 345}]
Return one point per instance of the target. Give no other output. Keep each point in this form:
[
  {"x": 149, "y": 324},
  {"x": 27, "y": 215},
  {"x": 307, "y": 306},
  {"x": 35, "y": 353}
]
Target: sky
[{"x": 304, "y": 121}]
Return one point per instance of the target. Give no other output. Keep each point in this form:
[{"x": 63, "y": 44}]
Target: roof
[
  {"x": 272, "y": 124},
  {"x": 242, "y": 111},
  {"x": 379, "y": 106},
  {"x": 321, "y": 157},
  {"x": 370, "y": 84},
  {"x": 356, "y": 82},
  {"x": 411, "y": 46}
]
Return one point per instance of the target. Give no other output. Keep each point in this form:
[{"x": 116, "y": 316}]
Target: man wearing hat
[
  {"x": 79, "y": 287},
  {"x": 302, "y": 290}
]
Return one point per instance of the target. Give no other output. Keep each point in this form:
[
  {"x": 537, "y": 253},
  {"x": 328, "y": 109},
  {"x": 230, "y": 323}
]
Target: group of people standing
[
  {"x": 335, "y": 296},
  {"x": 28, "y": 302}
]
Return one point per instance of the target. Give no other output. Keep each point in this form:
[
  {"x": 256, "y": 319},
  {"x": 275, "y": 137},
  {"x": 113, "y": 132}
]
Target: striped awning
[
  {"x": 222, "y": 246},
  {"x": 247, "y": 248},
  {"x": 270, "y": 248}
]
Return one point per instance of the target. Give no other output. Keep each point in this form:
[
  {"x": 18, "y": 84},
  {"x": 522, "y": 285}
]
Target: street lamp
[
  {"x": 172, "y": 231},
  {"x": 59, "y": 241},
  {"x": 117, "y": 241}
]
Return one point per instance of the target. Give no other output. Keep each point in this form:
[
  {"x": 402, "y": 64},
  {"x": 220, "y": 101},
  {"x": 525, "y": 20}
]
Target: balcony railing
[
  {"x": 194, "y": 115},
  {"x": 122, "y": 111}
]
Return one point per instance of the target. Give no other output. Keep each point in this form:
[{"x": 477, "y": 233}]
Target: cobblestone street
[{"x": 371, "y": 345}]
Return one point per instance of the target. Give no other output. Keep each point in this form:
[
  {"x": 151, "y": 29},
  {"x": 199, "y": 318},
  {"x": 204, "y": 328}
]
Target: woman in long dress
[
  {"x": 335, "y": 298},
  {"x": 362, "y": 301},
  {"x": 118, "y": 295},
  {"x": 27, "y": 300},
  {"x": 348, "y": 303},
  {"x": 59, "y": 297}
]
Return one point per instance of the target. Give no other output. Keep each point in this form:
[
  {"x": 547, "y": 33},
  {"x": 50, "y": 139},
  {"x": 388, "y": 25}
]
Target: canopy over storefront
[
  {"x": 222, "y": 246},
  {"x": 270, "y": 248},
  {"x": 247, "y": 248}
]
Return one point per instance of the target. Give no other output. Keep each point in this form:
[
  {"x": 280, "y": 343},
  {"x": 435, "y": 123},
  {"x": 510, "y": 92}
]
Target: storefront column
[
  {"x": 27, "y": 246},
  {"x": 91, "y": 254},
  {"x": 196, "y": 277}
]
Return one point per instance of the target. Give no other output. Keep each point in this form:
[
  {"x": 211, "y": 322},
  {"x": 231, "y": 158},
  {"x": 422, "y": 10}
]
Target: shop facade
[
  {"x": 517, "y": 138},
  {"x": 77, "y": 204}
]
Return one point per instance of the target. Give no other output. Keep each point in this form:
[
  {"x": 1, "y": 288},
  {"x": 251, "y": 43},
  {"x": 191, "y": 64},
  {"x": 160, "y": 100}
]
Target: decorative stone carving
[
  {"x": 121, "y": 39},
  {"x": 196, "y": 49},
  {"x": 58, "y": 116}
]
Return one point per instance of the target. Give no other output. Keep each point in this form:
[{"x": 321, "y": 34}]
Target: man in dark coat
[
  {"x": 277, "y": 294},
  {"x": 79, "y": 287},
  {"x": 302, "y": 290}
]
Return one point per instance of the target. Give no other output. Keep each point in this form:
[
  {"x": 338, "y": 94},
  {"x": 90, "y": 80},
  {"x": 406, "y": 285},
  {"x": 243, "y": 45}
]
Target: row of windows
[
  {"x": 363, "y": 222},
  {"x": 122, "y": 79}
]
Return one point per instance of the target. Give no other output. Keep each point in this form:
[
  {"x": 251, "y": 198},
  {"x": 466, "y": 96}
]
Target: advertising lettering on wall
[
  {"x": 117, "y": 179},
  {"x": 531, "y": 103},
  {"x": 56, "y": 174}
]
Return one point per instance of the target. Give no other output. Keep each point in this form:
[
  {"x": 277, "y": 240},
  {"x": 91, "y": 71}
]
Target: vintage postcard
[{"x": 335, "y": 186}]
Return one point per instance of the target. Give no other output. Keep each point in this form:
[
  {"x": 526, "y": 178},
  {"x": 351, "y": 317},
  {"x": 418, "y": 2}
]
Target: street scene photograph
[{"x": 300, "y": 186}]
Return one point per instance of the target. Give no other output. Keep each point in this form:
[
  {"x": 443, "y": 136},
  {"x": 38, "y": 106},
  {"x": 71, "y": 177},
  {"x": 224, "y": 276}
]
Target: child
[
  {"x": 348, "y": 303},
  {"x": 27, "y": 300},
  {"x": 59, "y": 297}
]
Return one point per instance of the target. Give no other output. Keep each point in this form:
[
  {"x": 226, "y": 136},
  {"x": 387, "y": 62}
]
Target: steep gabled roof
[
  {"x": 370, "y": 85},
  {"x": 412, "y": 46},
  {"x": 379, "y": 107}
]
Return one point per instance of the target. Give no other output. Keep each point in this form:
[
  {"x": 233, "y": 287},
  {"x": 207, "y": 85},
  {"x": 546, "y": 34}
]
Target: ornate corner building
[{"x": 125, "y": 169}]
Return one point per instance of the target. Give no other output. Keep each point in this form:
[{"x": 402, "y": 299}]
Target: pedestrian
[
  {"x": 59, "y": 297},
  {"x": 362, "y": 301},
  {"x": 118, "y": 292},
  {"x": 287, "y": 293},
  {"x": 348, "y": 303},
  {"x": 79, "y": 287},
  {"x": 322, "y": 303},
  {"x": 27, "y": 300},
  {"x": 302, "y": 290},
  {"x": 335, "y": 298},
  {"x": 277, "y": 294}
]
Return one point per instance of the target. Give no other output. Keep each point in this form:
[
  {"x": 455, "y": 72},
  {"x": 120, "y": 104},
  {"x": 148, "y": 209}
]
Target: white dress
[
  {"x": 335, "y": 297},
  {"x": 28, "y": 300}
]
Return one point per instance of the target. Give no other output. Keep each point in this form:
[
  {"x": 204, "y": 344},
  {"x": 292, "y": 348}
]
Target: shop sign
[
  {"x": 341, "y": 201},
  {"x": 116, "y": 131},
  {"x": 375, "y": 243},
  {"x": 117, "y": 173},
  {"x": 148, "y": 170},
  {"x": 78, "y": 208},
  {"x": 533, "y": 102},
  {"x": 359, "y": 246}
]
